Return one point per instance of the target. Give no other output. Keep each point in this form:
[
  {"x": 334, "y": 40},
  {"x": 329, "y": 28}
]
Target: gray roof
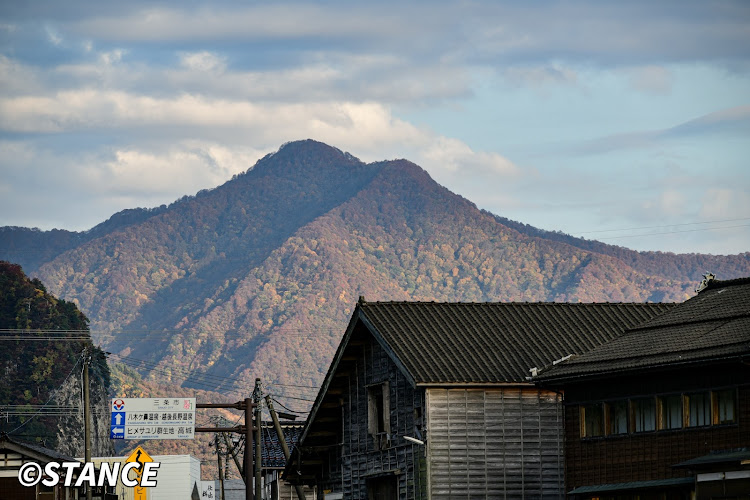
[
  {"x": 713, "y": 325},
  {"x": 458, "y": 343},
  {"x": 718, "y": 457},
  {"x": 35, "y": 451},
  {"x": 635, "y": 485},
  {"x": 495, "y": 342}
]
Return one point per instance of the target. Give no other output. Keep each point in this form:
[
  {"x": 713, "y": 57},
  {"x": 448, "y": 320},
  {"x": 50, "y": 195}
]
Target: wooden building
[
  {"x": 431, "y": 400},
  {"x": 14, "y": 453},
  {"x": 663, "y": 411},
  {"x": 274, "y": 486}
]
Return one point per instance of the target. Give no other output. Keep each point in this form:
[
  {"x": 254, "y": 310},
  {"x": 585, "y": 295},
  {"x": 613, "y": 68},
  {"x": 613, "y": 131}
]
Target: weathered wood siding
[
  {"x": 494, "y": 443},
  {"x": 358, "y": 458},
  {"x": 651, "y": 455}
]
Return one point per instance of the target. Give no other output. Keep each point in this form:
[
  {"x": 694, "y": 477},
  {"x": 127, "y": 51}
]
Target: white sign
[
  {"x": 207, "y": 490},
  {"x": 152, "y": 418}
]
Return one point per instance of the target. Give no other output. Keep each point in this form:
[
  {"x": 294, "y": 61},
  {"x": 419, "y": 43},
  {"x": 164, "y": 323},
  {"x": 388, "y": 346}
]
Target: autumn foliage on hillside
[
  {"x": 258, "y": 277},
  {"x": 37, "y": 362}
]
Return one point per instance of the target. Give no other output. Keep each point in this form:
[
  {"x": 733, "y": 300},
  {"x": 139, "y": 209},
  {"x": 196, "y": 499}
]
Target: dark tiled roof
[
  {"x": 634, "y": 486},
  {"x": 717, "y": 457},
  {"x": 712, "y": 325},
  {"x": 271, "y": 453},
  {"x": 495, "y": 342},
  {"x": 39, "y": 452}
]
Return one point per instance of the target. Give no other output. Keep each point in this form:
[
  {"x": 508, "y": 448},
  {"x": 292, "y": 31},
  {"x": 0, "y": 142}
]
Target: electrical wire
[
  {"x": 52, "y": 395},
  {"x": 673, "y": 232},
  {"x": 668, "y": 225},
  {"x": 286, "y": 407},
  {"x": 34, "y": 334}
]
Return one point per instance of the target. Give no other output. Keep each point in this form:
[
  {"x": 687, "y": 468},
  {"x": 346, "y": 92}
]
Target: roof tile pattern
[
  {"x": 272, "y": 455},
  {"x": 495, "y": 342},
  {"x": 713, "y": 324}
]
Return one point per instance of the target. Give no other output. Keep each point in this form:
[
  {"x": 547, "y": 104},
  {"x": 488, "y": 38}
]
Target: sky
[{"x": 625, "y": 122}]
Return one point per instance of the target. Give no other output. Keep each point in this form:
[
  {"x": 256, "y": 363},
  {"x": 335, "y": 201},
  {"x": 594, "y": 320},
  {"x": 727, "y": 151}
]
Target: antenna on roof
[{"x": 707, "y": 279}]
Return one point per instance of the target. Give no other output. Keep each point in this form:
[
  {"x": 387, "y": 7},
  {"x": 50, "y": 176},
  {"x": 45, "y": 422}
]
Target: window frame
[
  {"x": 662, "y": 409},
  {"x": 716, "y": 408},
  {"x": 636, "y": 419},
  {"x": 379, "y": 412},
  {"x": 687, "y": 399},
  {"x": 610, "y": 414},
  {"x": 583, "y": 411}
]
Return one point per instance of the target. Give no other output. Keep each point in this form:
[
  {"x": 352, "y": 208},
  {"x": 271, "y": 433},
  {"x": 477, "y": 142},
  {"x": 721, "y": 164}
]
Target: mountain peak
[{"x": 313, "y": 147}]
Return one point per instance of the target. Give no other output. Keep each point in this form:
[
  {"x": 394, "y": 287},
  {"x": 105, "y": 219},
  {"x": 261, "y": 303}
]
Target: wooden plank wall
[
  {"x": 649, "y": 455},
  {"x": 494, "y": 443},
  {"x": 358, "y": 459}
]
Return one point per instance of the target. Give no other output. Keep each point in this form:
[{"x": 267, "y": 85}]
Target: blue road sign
[
  {"x": 118, "y": 418},
  {"x": 117, "y": 432}
]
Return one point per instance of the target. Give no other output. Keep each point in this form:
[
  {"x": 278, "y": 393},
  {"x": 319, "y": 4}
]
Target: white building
[{"x": 177, "y": 477}]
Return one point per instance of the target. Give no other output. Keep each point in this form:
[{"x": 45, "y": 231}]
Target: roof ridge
[
  {"x": 653, "y": 325},
  {"x": 726, "y": 283}
]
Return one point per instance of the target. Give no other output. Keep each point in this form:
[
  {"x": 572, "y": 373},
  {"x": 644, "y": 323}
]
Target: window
[
  {"x": 617, "y": 418},
  {"x": 592, "y": 420},
  {"x": 663, "y": 413},
  {"x": 723, "y": 407},
  {"x": 670, "y": 412},
  {"x": 698, "y": 409},
  {"x": 382, "y": 488},
  {"x": 643, "y": 413},
  {"x": 379, "y": 414}
]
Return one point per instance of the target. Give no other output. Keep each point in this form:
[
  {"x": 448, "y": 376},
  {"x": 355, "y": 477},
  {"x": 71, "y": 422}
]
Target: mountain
[
  {"x": 37, "y": 366},
  {"x": 257, "y": 277}
]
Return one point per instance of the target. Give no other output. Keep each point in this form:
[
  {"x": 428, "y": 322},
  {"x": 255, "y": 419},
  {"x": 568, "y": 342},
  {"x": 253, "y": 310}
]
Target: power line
[
  {"x": 84, "y": 334},
  {"x": 52, "y": 395},
  {"x": 292, "y": 385},
  {"x": 213, "y": 382},
  {"x": 287, "y": 408},
  {"x": 667, "y": 225},
  {"x": 673, "y": 232}
]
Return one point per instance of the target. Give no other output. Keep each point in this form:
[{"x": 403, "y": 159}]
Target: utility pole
[
  {"x": 86, "y": 414},
  {"x": 282, "y": 441},
  {"x": 257, "y": 394},
  {"x": 247, "y": 405},
  {"x": 233, "y": 451},
  {"x": 218, "y": 456}
]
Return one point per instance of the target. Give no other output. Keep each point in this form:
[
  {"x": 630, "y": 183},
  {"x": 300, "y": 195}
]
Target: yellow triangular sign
[{"x": 139, "y": 455}]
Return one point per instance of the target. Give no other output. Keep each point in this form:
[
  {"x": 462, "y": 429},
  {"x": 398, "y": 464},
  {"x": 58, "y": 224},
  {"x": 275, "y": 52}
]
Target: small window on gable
[
  {"x": 379, "y": 414},
  {"x": 592, "y": 420},
  {"x": 643, "y": 414},
  {"x": 724, "y": 407},
  {"x": 698, "y": 409}
]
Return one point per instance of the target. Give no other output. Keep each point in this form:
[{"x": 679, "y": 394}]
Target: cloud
[
  {"x": 180, "y": 96},
  {"x": 203, "y": 61},
  {"x": 735, "y": 120},
  {"x": 656, "y": 80},
  {"x": 724, "y": 203},
  {"x": 540, "y": 75},
  {"x": 490, "y": 34},
  {"x": 139, "y": 165},
  {"x": 668, "y": 203},
  {"x": 456, "y": 157}
]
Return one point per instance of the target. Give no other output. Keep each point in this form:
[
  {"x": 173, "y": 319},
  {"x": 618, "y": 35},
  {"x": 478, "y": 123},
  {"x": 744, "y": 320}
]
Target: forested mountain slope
[
  {"x": 40, "y": 385},
  {"x": 257, "y": 277}
]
